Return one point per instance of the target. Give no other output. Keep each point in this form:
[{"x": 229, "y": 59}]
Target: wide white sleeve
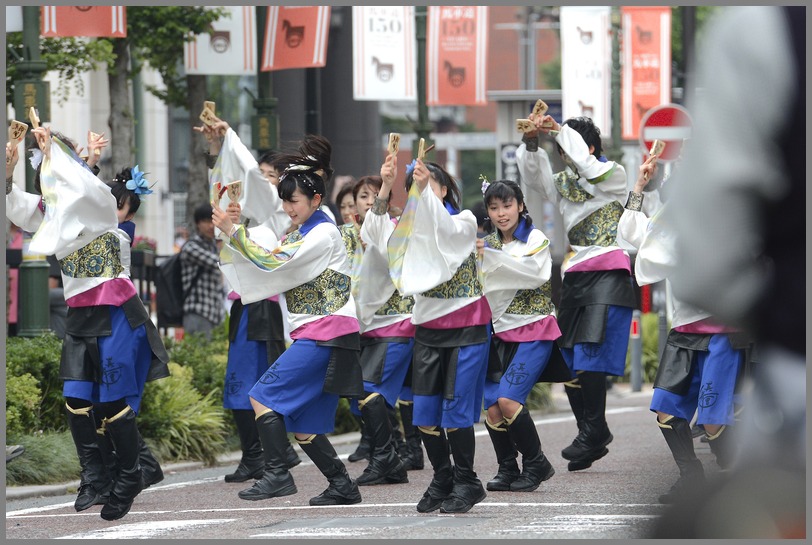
[
  {"x": 438, "y": 244},
  {"x": 503, "y": 271},
  {"x": 76, "y": 203},
  {"x": 536, "y": 171},
  {"x": 259, "y": 200},
  {"x": 608, "y": 178},
  {"x": 631, "y": 229},
  {"x": 23, "y": 209},
  {"x": 257, "y": 272},
  {"x": 656, "y": 256},
  {"x": 376, "y": 229}
]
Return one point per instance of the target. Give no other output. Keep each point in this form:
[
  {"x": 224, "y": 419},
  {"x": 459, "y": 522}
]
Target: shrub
[
  {"x": 39, "y": 358},
  {"x": 23, "y": 397},
  {"x": 182, "y": 423},
  {"x": 48, "y": 458}
]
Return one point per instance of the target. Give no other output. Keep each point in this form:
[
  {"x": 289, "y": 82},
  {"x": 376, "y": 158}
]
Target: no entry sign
[{"x": 669, "y": 123}]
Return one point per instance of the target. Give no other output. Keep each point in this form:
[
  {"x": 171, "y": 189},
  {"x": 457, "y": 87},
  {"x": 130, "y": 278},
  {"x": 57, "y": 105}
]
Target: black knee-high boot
[
  {"x": 442, "y": 482},
  {"x": 364, "y": 449},
  {"x": 506, "y": 455},
  {"x": 342, "y": 489},
  {"x": 96, "y": 481},
  {"x": 414, "y": 445},
  {"x": 385, "y": 466},
  {"x": 723, "y": 446},
  {"x": 467, "y": 490},
  {"x": 536, "y": 468},
  {"x": 150, "y": 467},
  {"x": 252, "y": 463},
  {"x": 276, "y": 480},
  {"x": 590, "y": 443},
  {"x": 678, "y": 437},
  {"x": 130, "y": 481}
]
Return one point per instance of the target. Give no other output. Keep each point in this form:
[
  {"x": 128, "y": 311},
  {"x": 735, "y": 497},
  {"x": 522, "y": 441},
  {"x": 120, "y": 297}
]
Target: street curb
[{"x": 61, "y": 489}]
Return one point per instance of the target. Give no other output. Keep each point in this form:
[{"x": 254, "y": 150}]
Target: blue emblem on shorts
[
  {"x": 111, "y": 372},
  {"x": 592, "y": 350},
  {"x": 707, "y": 396},
  {"x": 233, "y": 386},
  {"x": 516, "y": 374},
  {"x": 269, "y": 377}
]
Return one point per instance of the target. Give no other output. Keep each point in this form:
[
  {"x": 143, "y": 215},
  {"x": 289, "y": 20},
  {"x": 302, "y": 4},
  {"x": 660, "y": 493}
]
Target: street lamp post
[
  {"x": 423, "y": 126},
  {"x": 31, "y": 91}
]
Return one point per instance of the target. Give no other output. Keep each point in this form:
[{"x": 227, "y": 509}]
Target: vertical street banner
[
  {"x": 230, "y": 49},
  {"x": 295, "y": 37},
  {"x": 586, "y": 57},
  {"x": 383, "y": 51},
  {"x": 83, "y": 21},
  {"x": 646, "y": 80},
  {"x": 456, "y": 55}
]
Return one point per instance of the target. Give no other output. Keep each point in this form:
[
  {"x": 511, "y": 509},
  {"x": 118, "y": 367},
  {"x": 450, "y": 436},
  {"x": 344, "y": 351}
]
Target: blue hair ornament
[
  {"x": 138, "y": 183},
  {"x": 410, "y": 167}
]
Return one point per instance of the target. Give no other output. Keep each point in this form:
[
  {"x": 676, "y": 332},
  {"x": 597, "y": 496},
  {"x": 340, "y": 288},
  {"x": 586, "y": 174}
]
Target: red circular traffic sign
[{"x": 670, "y": 123}]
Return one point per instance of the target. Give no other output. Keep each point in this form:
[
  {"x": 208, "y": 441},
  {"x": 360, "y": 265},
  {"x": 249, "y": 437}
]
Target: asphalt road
[{"x": 615, "y": 499}]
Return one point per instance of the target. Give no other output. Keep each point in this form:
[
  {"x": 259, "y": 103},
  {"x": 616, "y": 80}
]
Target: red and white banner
[
  {"x": 295, "y": 37},
  {"x": 383, "y": 51},
  {"x": 456, "y": 55},
  {"x": 231, "y": 49},
  {"x": 83, "y": 21},
  {"x": 586, "y": 56},
  {"x": 646, "y": 64}
]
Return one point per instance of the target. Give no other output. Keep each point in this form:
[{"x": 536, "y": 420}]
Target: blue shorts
[
  {"x": 406, "y": 394},
  {"x": 609, "y": 356},
  {"x": 247, "y": 361},
  {"x": 395, "y": 366},
  {"x": 293, "y": 387},
  {"x": 465, "y": 409},
  {"x": 524, "y": 369},
  {"x": 126, "y": 357},
  {"x": 712, "y": 391}
]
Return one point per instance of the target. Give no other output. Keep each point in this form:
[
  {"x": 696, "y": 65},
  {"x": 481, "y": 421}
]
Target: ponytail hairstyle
[
  {"x": 309, "y": 169},
  {"x": 505, "y": 190},
  {"x": 452, "y": 196}
]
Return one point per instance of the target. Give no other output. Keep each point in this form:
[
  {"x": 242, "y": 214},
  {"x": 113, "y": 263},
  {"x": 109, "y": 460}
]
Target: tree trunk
[
  {"x": 197, "y": 181},
  {"x": 121, "y": 113}
]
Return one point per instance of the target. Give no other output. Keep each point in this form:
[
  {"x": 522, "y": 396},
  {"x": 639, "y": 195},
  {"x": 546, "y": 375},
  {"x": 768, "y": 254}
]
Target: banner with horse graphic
[
  {"x": 456, "y": 55},
  {"x": 295, "y": 37},
  {"x": 383, "y": 51}
]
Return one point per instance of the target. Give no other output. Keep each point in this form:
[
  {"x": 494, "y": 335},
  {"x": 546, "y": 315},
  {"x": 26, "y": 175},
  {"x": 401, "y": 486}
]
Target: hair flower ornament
[
  {"x": 138, "y": 183},
  {"x": 485, "y": 183}
]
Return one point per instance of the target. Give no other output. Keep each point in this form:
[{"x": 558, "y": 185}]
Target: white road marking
[{"x": 144, "y": 530}]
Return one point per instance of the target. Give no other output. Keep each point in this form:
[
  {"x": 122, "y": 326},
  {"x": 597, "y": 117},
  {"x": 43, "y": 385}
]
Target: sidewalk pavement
[{"x": 229, "y": 458}]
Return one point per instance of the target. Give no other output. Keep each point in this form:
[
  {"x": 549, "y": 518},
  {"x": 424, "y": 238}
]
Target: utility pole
[
  {"x": 423, "y": 126},
  {"x": 30, "y": 91},
  {"x": 265, "y": 123}
]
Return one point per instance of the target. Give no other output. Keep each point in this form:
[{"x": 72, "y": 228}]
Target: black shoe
[
  {"x": 130, "y": 480},
  {"x": 273, "y": 484},
  {"x": 88, "y": 496},
  {"x": 342, "y": 489},
  {"x": 577, "y": 465},
  {"x": 439, "y": 489},
  {"x": 252, "y": 461},
  {"x": 245, "y": 472}
]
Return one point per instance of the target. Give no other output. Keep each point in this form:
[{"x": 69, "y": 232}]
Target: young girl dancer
[
  {"x": 597, "y": 295},
  {"x": 432, "y": 256},
  {"x": 300, "y": 390},
  {"x": 702, "y": 360},
  {"x": 256, "y": 333},
  {"x": 111, "y": 348},
  {"x": 387, "y": 337},
  {"x": 516, "y": 265}
]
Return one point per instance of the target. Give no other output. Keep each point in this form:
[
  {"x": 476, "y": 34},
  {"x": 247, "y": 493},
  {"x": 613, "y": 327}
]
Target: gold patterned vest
[
  {"x": 321, "y": 296},
  {"x": 396, "y": 304},
  {"x": 99, "y": 259},
  {"x": 599, "y": 228},
  {"x": 464, "y": 283},
  {"x": 526, "y": 302}
]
